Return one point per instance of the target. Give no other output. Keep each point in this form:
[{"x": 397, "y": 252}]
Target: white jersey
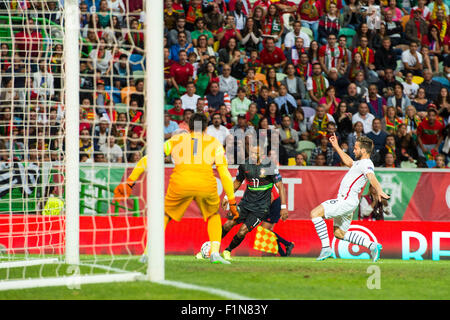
[{"x": 355, "y": 179}]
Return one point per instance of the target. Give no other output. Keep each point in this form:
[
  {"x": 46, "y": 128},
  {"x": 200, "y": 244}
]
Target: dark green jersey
[{"x": 260, "y": 180}]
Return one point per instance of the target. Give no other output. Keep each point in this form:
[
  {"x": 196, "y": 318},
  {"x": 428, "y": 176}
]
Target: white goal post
[{"x": 154, "y": 214}]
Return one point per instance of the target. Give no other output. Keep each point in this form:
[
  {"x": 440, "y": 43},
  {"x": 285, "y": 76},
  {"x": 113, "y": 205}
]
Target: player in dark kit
[{"x": 254, "y": 206}]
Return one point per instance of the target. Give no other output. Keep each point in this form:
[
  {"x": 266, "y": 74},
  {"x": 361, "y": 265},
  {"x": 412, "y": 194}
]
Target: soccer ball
[{"x": 206, "y": 250}]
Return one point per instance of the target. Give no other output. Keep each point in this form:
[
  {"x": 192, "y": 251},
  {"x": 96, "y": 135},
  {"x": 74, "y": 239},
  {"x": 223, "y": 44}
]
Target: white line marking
[{"x": 219, "y": 292}]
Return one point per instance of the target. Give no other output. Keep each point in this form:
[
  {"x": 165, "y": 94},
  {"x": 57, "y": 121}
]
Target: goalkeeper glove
[
  {"x": 233, "y": 208},
  {"x": 123, "y": 190}
]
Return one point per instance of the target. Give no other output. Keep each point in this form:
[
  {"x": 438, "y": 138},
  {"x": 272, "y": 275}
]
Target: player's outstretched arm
[
  {"x": 381, "y": 195},
  {"x": 284, "y": 212},
  {"x": 346, "y": 159},
  {"x": 123, "y": 190}
]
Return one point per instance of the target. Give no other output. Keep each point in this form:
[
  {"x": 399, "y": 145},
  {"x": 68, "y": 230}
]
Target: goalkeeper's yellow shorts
[{"x": 178, "y": 200}]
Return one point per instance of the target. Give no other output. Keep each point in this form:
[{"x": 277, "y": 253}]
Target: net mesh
[{"x": 32, "y": 134}]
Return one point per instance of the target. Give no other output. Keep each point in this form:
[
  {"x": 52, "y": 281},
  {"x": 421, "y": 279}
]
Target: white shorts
[{"x": 341, "y": 211}]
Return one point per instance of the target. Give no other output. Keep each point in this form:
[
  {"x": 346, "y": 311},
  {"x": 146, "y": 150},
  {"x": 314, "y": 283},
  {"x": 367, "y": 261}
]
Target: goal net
[{"x": 38, "y": 155}]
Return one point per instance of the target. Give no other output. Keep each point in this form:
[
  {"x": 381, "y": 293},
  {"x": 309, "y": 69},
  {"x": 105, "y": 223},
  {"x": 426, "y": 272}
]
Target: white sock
[
  {"x": 358, "y": 239},
  {"x": 322, "y": 232}
]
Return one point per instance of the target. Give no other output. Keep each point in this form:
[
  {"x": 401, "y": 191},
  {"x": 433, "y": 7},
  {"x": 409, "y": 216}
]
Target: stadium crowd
[{"x": 305, "y": 69}]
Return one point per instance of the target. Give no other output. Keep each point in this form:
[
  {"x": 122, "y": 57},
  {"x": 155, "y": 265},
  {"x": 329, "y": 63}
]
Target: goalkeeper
[{"x": 194, "y": 155}]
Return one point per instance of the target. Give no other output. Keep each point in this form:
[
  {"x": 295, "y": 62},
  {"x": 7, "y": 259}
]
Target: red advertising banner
[
  {"x": 415, "y": 196},
  {"x": 126, "y": 236}
]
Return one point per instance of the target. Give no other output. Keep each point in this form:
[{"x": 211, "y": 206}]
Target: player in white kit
[{"x": 341, "y": 209}]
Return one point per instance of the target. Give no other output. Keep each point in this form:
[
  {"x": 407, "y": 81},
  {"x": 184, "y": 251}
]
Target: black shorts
[
  {"x": 250, "y": 218},
  {"x": 274, "y": 212}
]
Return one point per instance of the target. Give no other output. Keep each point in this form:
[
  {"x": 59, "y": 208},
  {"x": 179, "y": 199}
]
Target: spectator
[
  {"x": 358, "y": 131},
  {"x": 251, "y": 85},
  {"x": 101, "y": 133},
  {"x": 201, "y": 30},
  {"x": 364, "y": 117},
  {"x": 272, "y": 82},
  {"x": 285, "y": 102},
  {"x": 329, "y": 23},
  {"x": 412, "y": 59},
  {"x": 292, "y": 36},
  {"x": 318, "y": 123},
  {"x": 385, "y": 57},
  {"x": 215, "y": 98},
  {"x": 227, "y": 83},
  {"x": 430, "y": 134},
  {"x": 330, "y": 54},
  {"x": 251, "y": 35},
  {"x": 399, "y": 100},
  {"x": 320, "y": 160},
  {"x": 252, "y": 115},
  {"x": 43, "y": 82},
  {"x": 390, "y": 121},
  {"x": 170, "y": 126},
  {"x": 352, "y": 98},
  {"x": 432, "y": 87},
  {"x": 203, "y": 50},
  {"x": 378, "y": 137},
  {"x": 316, "y": 85},
  {"x": 272, "y": 56},
  {"x": 409, "y": 87},
  {"x": 411, "y": 121},
  {"x": 182, "y": 44},
  {"x": 389, "y": 161},
  {"x": 300, "y": 160},
  {"x": 189, "y": 99},
  {"x": 343, "y": 120},
  {"x": 177, "y": 113},
  {"x": 180, "y": 27},
  {"x": 273, "y": 116},
  {"x": 416, "y": 28},
  {"x": 240, "y": 104},
  {"x": 226, "y": 54},
  {"x": 295, "y": 85},
  {"x": 330, "y": 101},
  {"x": 227, "y": 31},
  {"x": 113, "y": 153},
  {"x": 181, "y": 72},
  {"x": 370, "y": 209},
  {"x": 299, "y": 122},
  {"x": 421, "y": 102},
  {"x": 217, "y": 130},
  {"x": 273, "y": 25},
  {"x": 184, "y": 125},
  {"x": 264, "y": 100},
  {"x": 289, "y": 137},
  {"x": 323, "y": 149},
  {"x": 440, "y": 162}
]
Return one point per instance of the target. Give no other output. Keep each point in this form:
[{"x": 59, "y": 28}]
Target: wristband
[{"x": 283, "y": 206}]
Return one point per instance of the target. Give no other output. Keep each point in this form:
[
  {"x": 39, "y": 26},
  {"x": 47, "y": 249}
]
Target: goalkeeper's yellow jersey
[{"x": 194, "y": 155}]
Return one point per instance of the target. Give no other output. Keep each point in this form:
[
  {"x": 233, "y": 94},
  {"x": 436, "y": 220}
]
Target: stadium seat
[
  {"x": 137, "y": 62},
  {"x": 309, "y": 112},
  {"x": 261, "y": 77},
  {"x": 417, "y": 80},
  {"x": 408, "y": 164},
  {"x": 404, "y": 20},
  {"x": 349, "y": 33},
  {"x": 306, "y": 146},
  {"x": 281, "y": 76},
  {"x": 121, "y": 107},
  {"x": 308, "y": 32},
  {"x": 443, "y": 81},
  {"x": 138, "y": 74},
  {"x": 431, "y": 163}
]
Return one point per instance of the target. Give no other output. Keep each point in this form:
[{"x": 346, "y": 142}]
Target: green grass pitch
[{"x": 292, "y": 278}]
